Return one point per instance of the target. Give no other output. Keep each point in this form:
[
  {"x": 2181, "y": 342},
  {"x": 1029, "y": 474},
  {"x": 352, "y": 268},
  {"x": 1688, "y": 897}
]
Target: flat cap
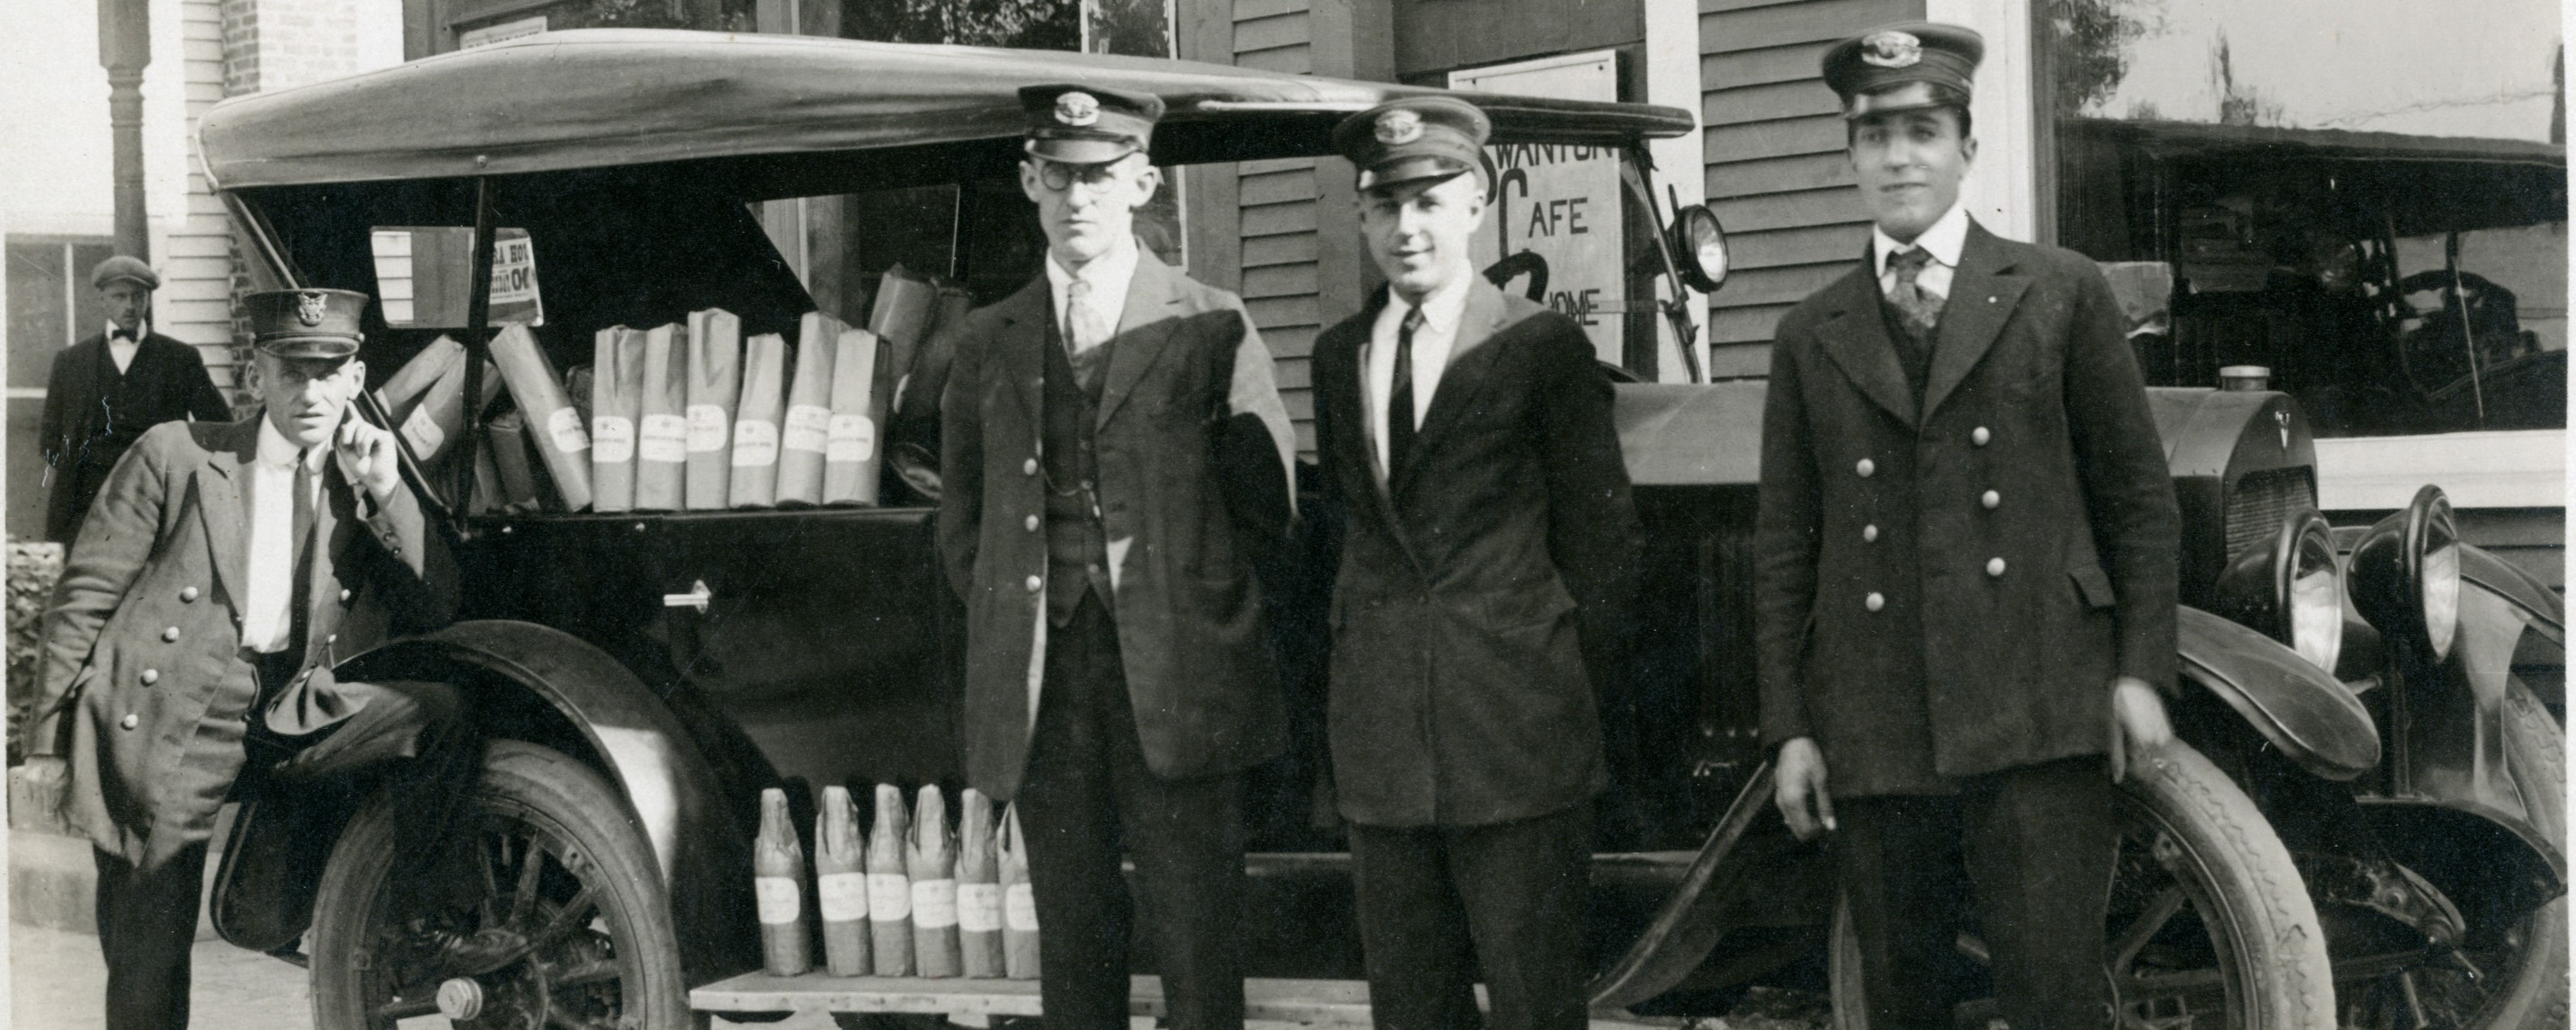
[
  {"x": 1414, "y": 139},
  {"x": 306, "y": 323},
  {"x": 1903, "y": 67},
  {"x": 123, "y": 267},
  {"x": 1086, "y": 125}
]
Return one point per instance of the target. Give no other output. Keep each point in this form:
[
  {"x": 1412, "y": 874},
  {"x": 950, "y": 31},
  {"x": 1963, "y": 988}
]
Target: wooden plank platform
[{"x": 1308, "y": 1003}]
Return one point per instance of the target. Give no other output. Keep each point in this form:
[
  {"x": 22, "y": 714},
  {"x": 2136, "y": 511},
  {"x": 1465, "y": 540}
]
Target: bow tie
[{"x": 123, "y": 334}]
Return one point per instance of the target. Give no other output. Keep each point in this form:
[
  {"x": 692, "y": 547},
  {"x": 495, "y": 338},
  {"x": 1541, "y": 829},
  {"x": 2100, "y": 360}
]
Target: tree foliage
[
  {"x": 1027, "y": 24},
  {"x": 2091, "y": 37}
]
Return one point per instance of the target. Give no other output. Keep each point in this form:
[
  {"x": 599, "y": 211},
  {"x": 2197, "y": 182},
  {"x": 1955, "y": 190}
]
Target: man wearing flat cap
[
  {"x": 226, "y": 567},
  {"x": 1965, "y": 589},
  {"x": 107, "y": 389},
  {"x": 1488, "y": 556},
  {"x": 1113, "y": 454}
]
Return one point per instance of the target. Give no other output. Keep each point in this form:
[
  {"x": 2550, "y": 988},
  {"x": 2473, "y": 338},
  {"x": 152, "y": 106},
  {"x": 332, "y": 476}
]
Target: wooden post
[{"x": 125, "y": 49}]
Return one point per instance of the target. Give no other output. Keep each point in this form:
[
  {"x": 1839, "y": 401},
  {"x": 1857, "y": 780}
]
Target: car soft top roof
[{"x": 597, "y": 98}]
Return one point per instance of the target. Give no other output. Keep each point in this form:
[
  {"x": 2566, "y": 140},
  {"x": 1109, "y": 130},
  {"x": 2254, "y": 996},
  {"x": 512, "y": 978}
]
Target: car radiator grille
[{"x": 2261, "y": 501}]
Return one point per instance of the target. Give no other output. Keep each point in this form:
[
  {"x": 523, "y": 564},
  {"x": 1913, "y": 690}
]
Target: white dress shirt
[
  {"x": 268, "y": 602},
  {"x": 1108, "y": 275},
  {"x": 122, "y": 351},
  {"x": 1431, "y": 344},
  {"x": 1944, "y": 239}
]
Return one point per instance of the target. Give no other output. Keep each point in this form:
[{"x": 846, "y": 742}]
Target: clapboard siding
[
  {"x": 1279, "y": 187},
  {"x": 1776, "y": 172},
  {"x": 1278, "y": 211},
  {"x": 1279, "y": 250},
  {"x": 194, "y": 303},
  {"x": 1293, "y": 60},
  {"x": 1296, "y": 280},
  {"x": 1270, "y": 33}
]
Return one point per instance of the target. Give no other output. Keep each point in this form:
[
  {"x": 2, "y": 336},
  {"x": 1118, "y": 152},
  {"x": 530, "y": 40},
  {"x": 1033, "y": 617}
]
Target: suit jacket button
[
  {"x": 1991, "y": 500},
  {"x": 1979, "y": 436},
  {"x": 1031, "y": 523},
  {"x": 170, "y": 633},
  {"x": 150, "y": 677},
  {"x": 1869, "y": 533},
  {"x": 130, "y": 721},
  {"x": 1995, "y": 567},
  {"x": 1035, "y": 584},
  {"x": 344, "y": 595},
  {"x": 1874, "y": 601},
  {"x": 1866, "y": 468},
  {"x": 330, "y": 638},
  {"x": 1029, "y": 467},
  {"x": 187, "y": 595}
]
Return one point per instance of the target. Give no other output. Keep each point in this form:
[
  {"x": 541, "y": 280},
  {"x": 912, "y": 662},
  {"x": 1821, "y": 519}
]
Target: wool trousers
[{"x": 1439, "y": 905}]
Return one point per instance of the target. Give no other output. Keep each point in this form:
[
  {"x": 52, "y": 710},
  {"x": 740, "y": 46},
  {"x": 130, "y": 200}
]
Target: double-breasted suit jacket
[
  {"x": 1193, "y": 448},
  {"x": 1948, "y": 585},
  {"x": 147, "y": 690},
  {"x": 1473, "y": 583},
  {"x": 93, "y": 413}
]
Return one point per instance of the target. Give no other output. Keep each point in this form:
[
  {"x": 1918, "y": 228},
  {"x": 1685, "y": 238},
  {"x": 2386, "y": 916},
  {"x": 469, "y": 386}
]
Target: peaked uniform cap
[
  {"x": 1414, "y": 139},
  {"x": 1904, "y": 67},
  {"x": 306, "y": 323},
  {"x": 1088, "y": 125}
]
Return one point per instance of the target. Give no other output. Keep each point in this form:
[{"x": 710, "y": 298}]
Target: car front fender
[{"x": 2311, "y": 717}]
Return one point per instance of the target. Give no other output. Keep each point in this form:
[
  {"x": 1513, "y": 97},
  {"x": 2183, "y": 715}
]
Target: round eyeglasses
[{"x": 1060, "y": 177}]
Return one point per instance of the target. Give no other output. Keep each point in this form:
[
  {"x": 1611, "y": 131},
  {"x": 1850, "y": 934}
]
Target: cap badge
[
  {"x": 308, "y": 309},
  {"x": 1891, "y": 49},
  {"x": 1078, "y": 109},
  {"x": 1398, "y": 127}
]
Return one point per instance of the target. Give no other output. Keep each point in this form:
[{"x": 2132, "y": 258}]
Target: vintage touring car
[{"x": 2363, "y": 828}]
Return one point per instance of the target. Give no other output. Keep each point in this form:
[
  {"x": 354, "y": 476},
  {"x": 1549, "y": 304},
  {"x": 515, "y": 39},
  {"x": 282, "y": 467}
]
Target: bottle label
[
  {"x": 422, "y": 432},
  {"x": 755, "y": 443},
  {"x": 706, "y": 428},
  {"x": 979, "y": 907},
  {"x": 934, "y": 903},
  {"x": 844, "y": 896},
  {"x": 808, "y": 428},
  {"x": 564, "y": 428},
  {"x": 665, "y": 439},
  {"x": 1020, "y": 908},
  {"x": 854, "y": 438},
  {"x": 614, "y": 435},
  {"x": 889, "y": 897},
  {"x": 779, "y": 900}
]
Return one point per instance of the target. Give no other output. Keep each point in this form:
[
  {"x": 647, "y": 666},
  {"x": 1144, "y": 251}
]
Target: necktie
[
  {"x": 1399, "y": 397},
  {"x": 1922, "y": 310},
  {"x": 302, "y": 593},
  {"x": 1082, "y": 328}
]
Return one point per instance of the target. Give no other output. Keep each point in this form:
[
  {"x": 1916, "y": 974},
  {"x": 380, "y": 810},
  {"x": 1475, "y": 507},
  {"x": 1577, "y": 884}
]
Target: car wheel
[
  {"x": 2210, "y": 926},
  {"x": 555, "y": 864}
]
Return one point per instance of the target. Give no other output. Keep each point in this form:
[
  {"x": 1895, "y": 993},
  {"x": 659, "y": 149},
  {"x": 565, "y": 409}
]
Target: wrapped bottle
[
  {"x": 508, "y": 435},
  {"x": 755, "y": 422},
  {"x": 662, "y": 428},
  {"x": 850, "y": 451},
  {"x": 841, "y": 883},
  {"x": 1019, "y": 903},
  {"x": 554, "y": 424},
  {"x": 714, "y": 388},
  {"x": 979, "y": 889},
  {"x": 778, "y": 878},
  {"x": 889, "y": 890},
  {"x": 616, "y": 399},
  {"x": 931, "y": 859},
  {"x": 806, "y": 434}
]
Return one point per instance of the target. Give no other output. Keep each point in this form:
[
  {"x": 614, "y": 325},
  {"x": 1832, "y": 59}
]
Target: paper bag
[
  {"x": 714, "y": 387},
  {"x": 662, "y": 431},
  {"x": 553, "y": 425},
  {"x": 806, "y": 434},
  {"x": 616, "y": 402},
  {"x": 755, "y": 423},
  {"x": 850, "y": 451},
  {"x": 402, "y": 391},
  {"x": 506, "y": 439}
]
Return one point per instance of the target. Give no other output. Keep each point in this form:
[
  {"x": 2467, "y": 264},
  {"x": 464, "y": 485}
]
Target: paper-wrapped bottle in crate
[
  {"x": 841, "y": 883},
  {"x": 979, "y": 888},
  {"x": 554, "y": 426},
  {"x": 1019, "y": 902},
  {"x": 805, "y": 436},
  {"x": 714, "y": 387},
  {"x": 850, "y": 453},
  {"x": 662, "y": 431},
  {"x": 778, "y": 887},
  {"x": 930, "y": 858},
  {"x": 755, "y": 422},
  {"x": 438, "y": 413},
  {"x": 889, "y": 888},
  {"x": 616, "y": 401},
  {"x": 403, "y": 389}
]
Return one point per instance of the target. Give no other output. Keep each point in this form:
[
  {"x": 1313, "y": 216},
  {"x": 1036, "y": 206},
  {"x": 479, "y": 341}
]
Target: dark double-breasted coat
[
  {"x": 1193, "y": 447},
  {"x": 1472, "y": 585},
  {"x": 1948, "y": 586},
  {"x": 147, "y": 689},
  {"x": 93, "y": 413}
]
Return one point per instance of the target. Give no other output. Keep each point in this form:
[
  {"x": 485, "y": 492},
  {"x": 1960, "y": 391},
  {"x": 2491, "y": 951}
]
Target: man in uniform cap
[
  {"x": 1113, "y": 454},
  {"x": 107, "y": 389},
  {"x": 1488, "y": 556},
  {"x": 226, "y": 567},
  {"x": 1965, "y": 589}
]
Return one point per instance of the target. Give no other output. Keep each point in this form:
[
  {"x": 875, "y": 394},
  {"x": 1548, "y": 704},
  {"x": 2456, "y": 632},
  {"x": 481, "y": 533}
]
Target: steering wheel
[
  {"x": 2434, "y": 354},
  {"x": 1526, "y": 262}
]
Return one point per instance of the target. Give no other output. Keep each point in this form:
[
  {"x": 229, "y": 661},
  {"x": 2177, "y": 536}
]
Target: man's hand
[
  {"x": 367, "y": 456},
  {"x": 1798, "y": 780},
  {"x": 2137, "y": 722},
  {"x": 47, "y": 779}
]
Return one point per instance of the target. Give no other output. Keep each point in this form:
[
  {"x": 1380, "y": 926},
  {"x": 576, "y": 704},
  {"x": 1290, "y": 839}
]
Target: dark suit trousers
[
  {"x": 1087, "y": 796},
  {"x": 1439, "y": 903},
  {"x": 2036, "y": 844},
  {"x": 147, "y": 918}
]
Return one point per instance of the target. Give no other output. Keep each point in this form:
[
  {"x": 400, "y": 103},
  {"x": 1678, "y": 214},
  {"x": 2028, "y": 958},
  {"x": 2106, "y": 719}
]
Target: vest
[
  {"x": 1077, "y": 544},
  {"x": 1912, "y": 351}
]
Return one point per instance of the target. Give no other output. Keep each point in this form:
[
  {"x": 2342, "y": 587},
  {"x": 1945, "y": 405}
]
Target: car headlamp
[
  {"x": 2289, "y": 587},
  {"x": 2406, "y": 574},
  {"x": 1700, "y": 245}
]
